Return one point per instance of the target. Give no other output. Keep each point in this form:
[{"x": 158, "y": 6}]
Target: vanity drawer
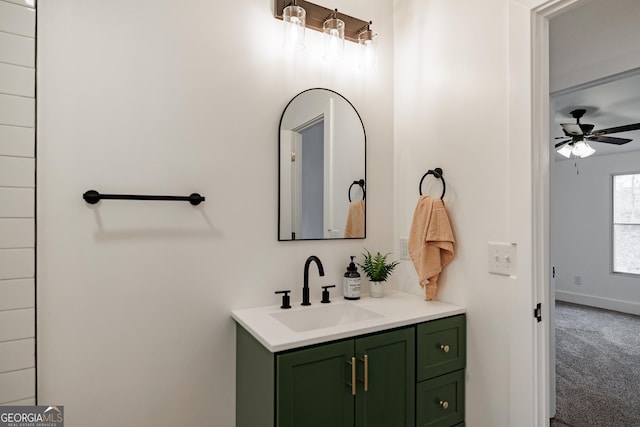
[
  {"x": 440, "y": 401},
  {"x": 441, "y": 347}
]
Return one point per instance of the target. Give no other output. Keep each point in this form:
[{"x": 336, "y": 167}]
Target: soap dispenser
[{"x": 351, "y": 281}]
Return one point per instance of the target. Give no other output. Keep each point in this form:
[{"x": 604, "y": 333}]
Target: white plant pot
[{"x": 376, "y": 289}]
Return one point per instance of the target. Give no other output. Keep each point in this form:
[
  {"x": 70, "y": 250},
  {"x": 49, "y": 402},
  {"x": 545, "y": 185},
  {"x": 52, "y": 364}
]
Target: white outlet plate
[
  {"x": 502, "y": 258},
  {"x": 404, "y": 248}
]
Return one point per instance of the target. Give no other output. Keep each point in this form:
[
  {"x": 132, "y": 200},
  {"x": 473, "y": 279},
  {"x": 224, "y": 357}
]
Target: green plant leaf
[{"x": 376, "y": 266}]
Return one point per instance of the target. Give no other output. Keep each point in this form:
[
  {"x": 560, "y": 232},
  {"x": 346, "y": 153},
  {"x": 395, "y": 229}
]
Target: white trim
[
  {"x": 523, "y": 356},
  {"x": 600, "y": 302},
  {"x": 539, "y": 128},
  {"x": 596, "y": 82},
  {"x": 540, "y": 205},
  {"x": 613, "y": 223}
]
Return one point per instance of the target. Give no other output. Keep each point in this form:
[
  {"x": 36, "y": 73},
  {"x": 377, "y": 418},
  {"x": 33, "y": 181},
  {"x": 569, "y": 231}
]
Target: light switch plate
[
  {"x": 502, "y": 258},
  {"x": 404, "y": 248}
]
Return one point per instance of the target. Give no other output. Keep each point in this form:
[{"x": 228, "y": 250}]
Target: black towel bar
[
  {"x": 437, "y": 173},
  {"x": 359, "y": 182},
  {"x": 92, "y": 197}
]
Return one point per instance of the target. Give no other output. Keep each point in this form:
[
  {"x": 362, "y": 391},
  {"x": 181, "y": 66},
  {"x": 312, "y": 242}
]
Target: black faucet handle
[
  {"x": 325, "y": 294},
  {"x": 286, "y": 299}
]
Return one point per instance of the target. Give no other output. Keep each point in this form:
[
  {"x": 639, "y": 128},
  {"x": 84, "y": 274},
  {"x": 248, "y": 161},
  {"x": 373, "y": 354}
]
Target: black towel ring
[
  {"x": 359, "y": 182},
  {"x": 437, "y": 172}
]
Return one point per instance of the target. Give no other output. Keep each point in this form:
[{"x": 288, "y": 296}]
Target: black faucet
[{"x": 305, "y": 287}]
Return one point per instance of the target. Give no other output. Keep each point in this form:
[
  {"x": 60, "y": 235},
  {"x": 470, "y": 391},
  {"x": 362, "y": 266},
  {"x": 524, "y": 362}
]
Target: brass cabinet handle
[
  {"x": 352, "y": 384},
  {"x": 445, "y": 349},
  {"x": 444, "y": 404},
  {"x": 365, "y": 360}
]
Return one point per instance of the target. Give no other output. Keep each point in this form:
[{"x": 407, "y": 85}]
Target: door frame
[{"x": 529, "y": 98}]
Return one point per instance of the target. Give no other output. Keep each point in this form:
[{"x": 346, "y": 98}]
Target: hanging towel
[
  {"x": 431, "y": 242},
  {"x": 355, "y": 220}
]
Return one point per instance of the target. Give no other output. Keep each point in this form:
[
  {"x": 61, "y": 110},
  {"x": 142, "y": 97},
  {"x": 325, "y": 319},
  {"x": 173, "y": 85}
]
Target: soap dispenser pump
[{"x": 351, "y": 282}]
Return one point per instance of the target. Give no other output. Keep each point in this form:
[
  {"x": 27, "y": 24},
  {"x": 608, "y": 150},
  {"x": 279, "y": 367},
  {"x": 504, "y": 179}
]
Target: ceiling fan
[{"x": 579, "y": 133}]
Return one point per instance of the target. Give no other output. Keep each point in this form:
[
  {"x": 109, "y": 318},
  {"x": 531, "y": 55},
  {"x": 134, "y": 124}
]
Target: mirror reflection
[{"x": 322, "y": 168}]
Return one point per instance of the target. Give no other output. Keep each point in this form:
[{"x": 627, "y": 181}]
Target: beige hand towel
[
  {"x": 431, "y": 242},
  {"x": 355, "y": 220}
]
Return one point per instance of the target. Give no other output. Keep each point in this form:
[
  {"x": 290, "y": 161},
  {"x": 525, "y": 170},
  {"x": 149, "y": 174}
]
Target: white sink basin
[
  {"x": 280, "y": 330},
  {"x": 324, "y": 316}
]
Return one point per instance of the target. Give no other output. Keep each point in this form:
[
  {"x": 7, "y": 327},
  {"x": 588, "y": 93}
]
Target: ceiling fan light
[
  {"x": 582, "y": 149},
  {"x": 565, "y": 150}
]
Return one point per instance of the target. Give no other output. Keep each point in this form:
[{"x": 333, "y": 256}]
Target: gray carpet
[{"x": 597, "y": 367}]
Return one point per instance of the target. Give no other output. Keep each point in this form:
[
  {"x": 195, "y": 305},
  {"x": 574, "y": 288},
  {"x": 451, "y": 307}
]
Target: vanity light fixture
[
  {"x": 367, "y": 39},
  {"x": 316, "y": 16},
  {"x": 333, "y": 29},
  {"x": 294, "y": 18}
]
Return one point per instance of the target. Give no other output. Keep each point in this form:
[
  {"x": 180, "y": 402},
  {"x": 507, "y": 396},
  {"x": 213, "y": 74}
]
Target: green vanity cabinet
[
  {"x": 312, "y": 387},
  {"x": 440, "y": 361},
  {"x": 316, "y": 388},
  {"x": 394, "y": 386}
]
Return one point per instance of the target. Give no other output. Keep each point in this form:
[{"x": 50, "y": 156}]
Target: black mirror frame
[{"x": 364, "y": 133}]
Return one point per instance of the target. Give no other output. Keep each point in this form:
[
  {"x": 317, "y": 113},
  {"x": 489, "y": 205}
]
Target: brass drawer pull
[
  {"x": 444, "y": 404},
  {"x": 352, "y": 384},
  {"x": 445, "y": 349},
  {"x": 365, "y": 360}
]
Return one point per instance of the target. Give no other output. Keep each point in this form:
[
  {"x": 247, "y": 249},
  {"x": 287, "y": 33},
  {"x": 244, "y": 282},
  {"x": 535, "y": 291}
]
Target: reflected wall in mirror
[{"x": 322, "y": 158}]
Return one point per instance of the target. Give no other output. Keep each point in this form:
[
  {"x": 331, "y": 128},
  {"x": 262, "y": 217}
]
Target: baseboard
[{"x": 606, "y": 303}]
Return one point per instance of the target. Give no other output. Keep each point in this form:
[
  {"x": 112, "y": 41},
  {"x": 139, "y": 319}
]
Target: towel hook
[
  {"x": 359, "y": 182},
  {"x": 437, "y": 173}
]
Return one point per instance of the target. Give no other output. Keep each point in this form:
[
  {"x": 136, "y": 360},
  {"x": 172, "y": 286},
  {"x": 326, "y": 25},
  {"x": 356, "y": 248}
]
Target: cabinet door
[
  {"x": 312, "y": 389},
  {"x": 390, "y": 373}
]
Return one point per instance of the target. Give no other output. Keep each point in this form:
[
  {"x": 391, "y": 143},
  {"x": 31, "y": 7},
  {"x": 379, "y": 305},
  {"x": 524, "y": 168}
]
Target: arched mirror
[{"x": 322, "y": 150}]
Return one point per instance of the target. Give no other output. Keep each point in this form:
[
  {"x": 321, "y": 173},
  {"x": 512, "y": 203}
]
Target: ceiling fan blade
[
  {"x": 609, "y": 139},
  {"x": 571, "y": 128},
  {"x": 561, "y": 143},
  {"x": 625, "y": 128}
]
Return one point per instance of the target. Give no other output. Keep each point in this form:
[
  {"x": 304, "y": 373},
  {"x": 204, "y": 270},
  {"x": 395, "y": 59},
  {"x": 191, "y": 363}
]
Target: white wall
[
  {"x": 581, "y": 233},
  {"x": 17, "y": 187},
  {"x": 596, "y": 40},
  {"x": 451, "y": 111},
  {"x": 165, "y": 97}
]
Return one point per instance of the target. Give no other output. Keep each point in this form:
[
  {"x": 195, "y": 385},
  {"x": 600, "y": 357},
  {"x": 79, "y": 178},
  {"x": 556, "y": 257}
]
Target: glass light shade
[
  {"x": 333, "y": 29},
  {"x": 565, "y": 150},
  {"x": 582, "y": 149},
  {"x": 294, "y": 18},
  {"x": 367, "y": 41}
]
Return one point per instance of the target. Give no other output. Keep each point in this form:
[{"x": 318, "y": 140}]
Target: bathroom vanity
[{"x": 393, "y": 361}]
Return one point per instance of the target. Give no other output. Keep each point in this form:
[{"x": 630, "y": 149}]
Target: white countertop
[{"x": 396, "y": 309}]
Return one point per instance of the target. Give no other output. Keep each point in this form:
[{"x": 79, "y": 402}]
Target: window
[{"x": 626, "y": 223}]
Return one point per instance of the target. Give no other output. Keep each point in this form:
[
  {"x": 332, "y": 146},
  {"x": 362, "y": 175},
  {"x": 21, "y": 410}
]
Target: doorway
[
  {"x": 581, "y": 248},
  {"x": 308, "y": 185},
  {"x": 610, "y": 57}
]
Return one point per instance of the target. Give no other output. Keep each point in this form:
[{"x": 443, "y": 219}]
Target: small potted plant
[{"x": 378, "y": 271}]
